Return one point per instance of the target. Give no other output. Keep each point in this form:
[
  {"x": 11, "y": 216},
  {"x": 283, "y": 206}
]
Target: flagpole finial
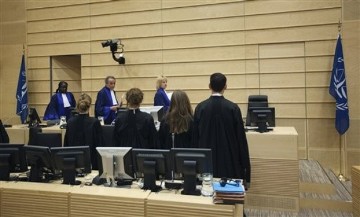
[
  {"x": 23, "y": 48},
  {"x": 339, "y": 27}
]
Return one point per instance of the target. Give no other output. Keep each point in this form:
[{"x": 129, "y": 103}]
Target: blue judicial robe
[
  {"x": 219, "y": 126},
  {"x": 161, "y": 99},
  {"x": 83, "y": 130},
  {"x": 136, "y": 129},
  {"x": 103, "y": 104},
  {"x": 56, "y": 109}
]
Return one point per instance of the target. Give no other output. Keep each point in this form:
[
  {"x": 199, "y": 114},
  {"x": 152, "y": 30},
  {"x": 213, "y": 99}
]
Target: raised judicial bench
[
  {"x": 57, "y": 200},
  {"x": 19, "y": 134},
  {"x": 274, "y": 170}
]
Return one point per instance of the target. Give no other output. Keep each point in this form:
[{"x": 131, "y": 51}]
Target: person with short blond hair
[{"x": 161, "y": 97}]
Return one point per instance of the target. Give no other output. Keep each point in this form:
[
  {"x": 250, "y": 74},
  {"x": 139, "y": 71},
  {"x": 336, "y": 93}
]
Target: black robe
[
  {"x": 83, "y": 130},
  {"x": 219, "y": 126},
  {"x": 4, "y": 137},
  {"x": 181, "y": 140},
  {"x": 136, "y": 129}
]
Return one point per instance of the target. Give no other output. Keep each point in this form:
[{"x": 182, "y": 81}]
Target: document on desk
[{"x": 228, "y": 188}]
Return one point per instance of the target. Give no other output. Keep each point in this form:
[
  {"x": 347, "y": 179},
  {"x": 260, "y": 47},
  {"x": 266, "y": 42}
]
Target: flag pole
[{"x": 341, "y": 177}]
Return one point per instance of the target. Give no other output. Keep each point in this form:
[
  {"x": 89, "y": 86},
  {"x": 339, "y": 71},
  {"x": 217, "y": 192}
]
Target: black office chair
[
  {"x": 108, "y": 135},
  {"x": 4, "y": 137},
  {"x": 256, "y": 101},
  {"x": 48, "y": 139}
]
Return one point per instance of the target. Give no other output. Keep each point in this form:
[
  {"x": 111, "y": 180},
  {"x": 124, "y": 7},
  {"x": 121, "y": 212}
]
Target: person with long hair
[
  {"x": 134, "y": 128},
  {"x": 61, "y": 103},
  {"x": 83, "y": 130},
  {"x": 161, "y": 97},
  {"x": 177, "y": 127}
]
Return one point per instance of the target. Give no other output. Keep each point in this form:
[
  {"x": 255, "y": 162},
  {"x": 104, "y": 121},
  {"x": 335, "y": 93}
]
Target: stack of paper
[{"x": 231, "y": 193}]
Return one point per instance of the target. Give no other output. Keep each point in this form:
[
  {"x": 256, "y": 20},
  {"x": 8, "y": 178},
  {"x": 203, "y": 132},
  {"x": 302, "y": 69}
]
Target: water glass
[{"x": 207, "y": 187}]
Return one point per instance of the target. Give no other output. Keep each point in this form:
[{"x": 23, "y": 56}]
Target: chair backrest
[
  {"x": 108, "y": 135},
  {"x": 48, "y": 139},
  {"x": 4, "y": 137},
  {"x": 256, "y": 101}
]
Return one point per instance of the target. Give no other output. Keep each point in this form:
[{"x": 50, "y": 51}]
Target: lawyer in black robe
[
  {"x": 219, "y": 126},
  {"x": 83, "y": 130},
  {"x": 136, "y": 129}
]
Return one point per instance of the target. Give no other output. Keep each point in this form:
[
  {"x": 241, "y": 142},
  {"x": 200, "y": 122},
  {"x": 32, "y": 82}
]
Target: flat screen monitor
[
  {"x": 116, "y": 163},
  {"x": 190, "y": 163},
  {"x": 34, "y": 119},
  {"x": 262, "y": 118},
  {"x": 157, "y": 112},
  {"x": 152, "y": 165},
  {"x": 12, "y": 160},
  {"x": 69, "y": 160},
  {"x": 40, "y": 162}
]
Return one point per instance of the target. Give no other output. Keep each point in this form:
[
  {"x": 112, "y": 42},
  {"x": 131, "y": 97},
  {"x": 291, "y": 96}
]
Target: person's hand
[{"x": 114, "y": 107}]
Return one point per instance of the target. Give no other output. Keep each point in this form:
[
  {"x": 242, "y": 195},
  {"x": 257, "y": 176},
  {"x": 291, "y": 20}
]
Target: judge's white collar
[{"x": 216, "y": 94}]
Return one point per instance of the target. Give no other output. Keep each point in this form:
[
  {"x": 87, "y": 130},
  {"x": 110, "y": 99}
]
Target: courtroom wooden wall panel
[
  {"x": 34, "y": 4},
  {"x": 299, "y": 18},
  {"x": 281, "y": 50},
  {"x": 68, "y": 11},
  {"x": 282, "y": 80},
  {"x": 203, "y": 12},
  {"x": 283, "y": 65},
  {"x": 203, "y": 26},
  {"x": 125, "y": 32},
  {"x": 318, "y": 95},
  {"x": 322, "y": 134},
  {"x": 77, "y": 35},
  {"x": 58, "y": 25},
  {"x": 317, "y": 79},
  {"x": 114, "y": 7},
  {"x": 176, "y": 3},
  {"x": 263, "y": 6}
]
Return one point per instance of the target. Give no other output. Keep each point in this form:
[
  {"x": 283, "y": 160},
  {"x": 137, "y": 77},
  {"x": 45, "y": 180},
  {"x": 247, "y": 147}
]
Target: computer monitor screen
[
  {"x": 190, "y": 163},
  {"x": 71, "y": 160},
  {"x": 40, "y": 162},
  {"x": 12, "y": 160},
  {"x": 262, "y": 118},
  {"x": 34, "y": 119},
  {"x": 157, "y": 112},
  {"x": 152, "y": 165},
  {"x": 116, "y": 163}
]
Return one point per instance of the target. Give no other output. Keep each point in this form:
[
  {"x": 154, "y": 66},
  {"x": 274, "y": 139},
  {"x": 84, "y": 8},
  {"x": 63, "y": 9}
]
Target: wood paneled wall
[{"x": 283, "y": 49}]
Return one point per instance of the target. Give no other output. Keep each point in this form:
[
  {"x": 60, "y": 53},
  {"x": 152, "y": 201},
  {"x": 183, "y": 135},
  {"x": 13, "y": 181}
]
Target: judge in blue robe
[
  {"x": 161, "y": 97},
  {"x": 61, "y": 103},
  {"x": 106, "y": 104}
]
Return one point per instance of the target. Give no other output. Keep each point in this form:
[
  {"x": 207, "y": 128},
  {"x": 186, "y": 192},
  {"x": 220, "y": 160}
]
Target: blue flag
[
  {"x": 338, "y": 89},
  {"x": 22, "y": 93}
]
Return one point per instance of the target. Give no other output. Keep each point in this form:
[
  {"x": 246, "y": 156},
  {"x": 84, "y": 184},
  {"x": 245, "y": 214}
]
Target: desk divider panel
[
  {"x": 33, "y": 200},
  {"x": 105, "y": 201},
  {"x": 170, "y": 205}
]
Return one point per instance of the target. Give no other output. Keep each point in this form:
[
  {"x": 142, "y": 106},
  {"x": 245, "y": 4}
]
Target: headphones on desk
[{"x": 225, "y": 181}]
